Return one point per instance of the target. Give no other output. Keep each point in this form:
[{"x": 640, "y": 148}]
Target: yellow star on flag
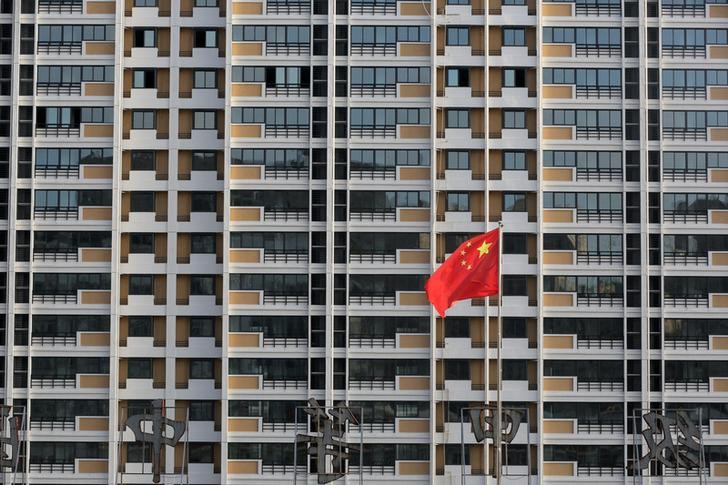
[{"x": 484, "y": 248}]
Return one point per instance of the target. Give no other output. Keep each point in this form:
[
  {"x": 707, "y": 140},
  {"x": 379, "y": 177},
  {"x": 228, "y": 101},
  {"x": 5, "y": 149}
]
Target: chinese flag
[{"x": 470, "y": 272}]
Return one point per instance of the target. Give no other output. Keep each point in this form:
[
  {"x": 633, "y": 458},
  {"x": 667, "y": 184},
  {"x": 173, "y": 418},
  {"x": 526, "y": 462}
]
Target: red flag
[{"x": 471, "y": 271}]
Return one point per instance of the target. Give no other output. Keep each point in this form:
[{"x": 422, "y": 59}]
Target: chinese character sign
[
  {"x": 158, "y": 436},
  {"x": 482, "y": 421},
  {"x": 327, "y": 441},
  {"x": 9, "y": 441},
  {"x": 683, "y": 450}
]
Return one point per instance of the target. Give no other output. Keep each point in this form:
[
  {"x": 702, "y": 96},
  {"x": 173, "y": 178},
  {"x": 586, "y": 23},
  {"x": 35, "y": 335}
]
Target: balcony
[
  {"x": 371, "y": 385},
  {"x": 685, "y": 259},
  {"x": 275, "y": 7},
  {"x": 688, "y": 301},
  {"x": 685, "y": 217},
  {"x": 598, "y": 300}
]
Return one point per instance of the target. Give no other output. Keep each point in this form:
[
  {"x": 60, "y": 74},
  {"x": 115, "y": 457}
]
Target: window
[
  {"x": 202, "y": 243},
  {"x": 202, "y": 285},
  {"x": 203, "y": 202},
  {"x": 142, "y": 160},
  {"x": 25, "y": 121},
  {"x": 202, "y": 410},
  {"x": 206, "y": 3},
  {"x": 202, "y": 327},
  {"x": 202, "y": 369},
  {"x": 141, "y": 201},
  {"x": 514, "y": 77},
  {"x": 141, "y": 243},
  {"x": 513, "y": 160},
  {"x": 27, "y": 38},
  {"x": 515, "y": 243},
  {"x": 26, "y": 79},
  {"x": 458, "y": 202},
  {"x": 144, "y": 78},
  {"x": 457, "y": 328},
  {"x": 514, "y": 36},
  {"x": 145, "y": 3},
  {"x": 140, "y": 326},
  {"x": 141, "y": 284},
  {"x": 458, "y": 36},
  {"x": 205, "y": 79},
  {"x": 145, "y": 38},
  {"x": 514, "y": 119},
  {"x": 514, "y": 202},
  {"x": 139, "y": 368},
  {"x": 515, "y": 285},
  {"x": 204, "y": 161},
  {"x": 205, "y": 38},
  {"x": 457, "y": 77},
  {"x": 458, "y": 118},
  {"x": 457, "y": 369},
  {"x": 457, "y": 160},
  {"x": 142, "y": 120},
  {"x": 204, "y": 120}
]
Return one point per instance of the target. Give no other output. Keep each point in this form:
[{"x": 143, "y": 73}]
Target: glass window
[
  {"x": 458, "y": 118},
  {"x": 458, "y": 202},
  {"x": 457, "y": 160},
  {"x": 514, "y": 160},
  {"x": 458, "y": 36},
  {"x": 514, "y": 36},
  {"x": 514, "y": 119},
  {"x": 514, "y": 202},
  {"x": 142, "y": 120}
]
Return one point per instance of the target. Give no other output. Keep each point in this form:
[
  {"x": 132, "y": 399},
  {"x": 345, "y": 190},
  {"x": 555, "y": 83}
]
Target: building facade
[{"x": 233, "y": 207}]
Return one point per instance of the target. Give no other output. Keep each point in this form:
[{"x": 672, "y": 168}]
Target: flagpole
[{"x": 499, "y": 404}]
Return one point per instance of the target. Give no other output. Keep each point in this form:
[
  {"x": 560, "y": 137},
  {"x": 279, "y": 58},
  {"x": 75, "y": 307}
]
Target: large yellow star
[{"x": 484, "y": 248}]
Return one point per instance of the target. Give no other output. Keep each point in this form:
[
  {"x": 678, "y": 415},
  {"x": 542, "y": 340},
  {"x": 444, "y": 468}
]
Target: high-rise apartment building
[{"x": 233, "y": 206}]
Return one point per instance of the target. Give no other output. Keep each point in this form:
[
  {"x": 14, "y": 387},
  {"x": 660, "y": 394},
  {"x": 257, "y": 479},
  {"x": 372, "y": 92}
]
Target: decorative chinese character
[
  {"x": 9, "y": 426},
  {"x": 330, "y": 426},
  {"x": 157, "y": 437},
  {"x": 661, "y": 446},
  {"x": 482, "y": 421}
]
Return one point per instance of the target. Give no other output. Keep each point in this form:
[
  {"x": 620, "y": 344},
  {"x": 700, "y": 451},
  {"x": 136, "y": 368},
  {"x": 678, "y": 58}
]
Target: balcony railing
[
  {"x": 589, "y": 427},
  {"x": 373, "y": 216},
  {"x": 43, "y": 424},
  {"x": 62, "y": 6},
  {"x": 284, "y": 384},
  {"x": 686, "y": 259},
  {"x": 52, "y": 468},
  {"x": 55, "y": 213},
  {"x": 60, "y": 47},
  {"x": 52, "y": 382},
  {"x": 690, "y": 301},
  {"x": 598, "y": 133},
  {"x": 53, "y": 340},
  {"x": 59, "y": 257},
  {"x": 598, "y": 215},
  {"x": 287, "y": 131},
  {"x": 55, "y": 299},
  {"x": 284, "y": 215},
  {"x": 584, "y": 173},
  {"x": 685, "y": 175},
  {"x": 599, "y": 471},
  {"x": 599, "y": 92},
  {"x": 371, "y": 469},
  {"x": 285, "y": 342},
  {"x": 599, "y": 385},
  {"x": 68, "y": 172},
  {"x": 384, "y": 49},
  {"x": 380, "y": 131},
  {"x": 684, "y": 10},
  {"x": 287, "y": 49},
  {"x": 684, "y": 92},
  {"x": 386, "y": 174},
  {"x": 687, "y": 344},
  {"x": 372, "y": 428},
  {"x": 372, "y": 342},
  {"x": 598, "y": 299},
  {"x": 299, "y": 256},
  {"x": 684, "y": 134},
  {"x": 597, "y": 343},
  {"x": 273, "y": 7},
  {"x": 281, "y": 469},
  {"x": 683, "y": 51},
  {"x": 599, "y": 257},
  {"x": 685, "y": 217},
  {"x": 284, "y": 427},
  {"x": 598, "y": 9},
  {"x": 58, "y": 89},
  {"x": 373, "y": 8},
  {"x": 387, "y": 299},
  {"x": 373, "y": 258},
  {"x": 378, "y": 384},
  {"x": 286, "y": 173},
  {"x": 598, "y": 50},
  {"x": 287, "y": 90},
  {"x": 688, "y": 386},
  {"x": 57, "y": 130},
  {"x": 285, "y": 299},
  {"x": 366, "y": 90}
]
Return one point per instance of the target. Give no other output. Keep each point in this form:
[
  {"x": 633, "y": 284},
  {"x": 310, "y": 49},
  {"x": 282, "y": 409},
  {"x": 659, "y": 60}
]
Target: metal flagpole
[{"x": 497, "y": 434}]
